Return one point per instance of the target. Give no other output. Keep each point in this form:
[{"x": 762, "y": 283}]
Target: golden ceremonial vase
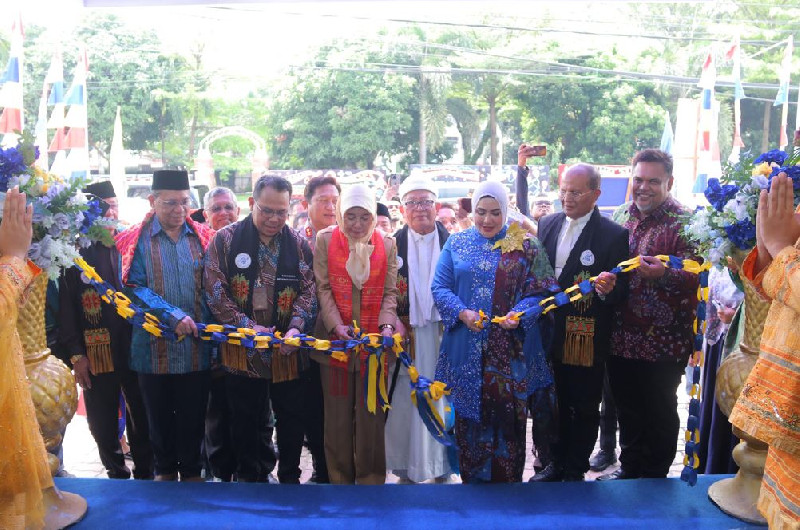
[
  {"x": 55, "y": 398},
  {"x": 738, "y": 496},
  {"x": 52, "y": 385}
]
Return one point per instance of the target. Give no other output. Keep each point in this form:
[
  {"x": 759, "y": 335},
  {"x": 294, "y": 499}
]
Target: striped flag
[
  {"x": 735, "y": 54},
  {"x": 40, "y": 140},
  {"x": 706, "y": 122},
  {"x": 76, "y": 122},
  {"x": 11, "y": 118},
  {"x": 782, "y": 97},
  {"x": 55, "y": 79}
]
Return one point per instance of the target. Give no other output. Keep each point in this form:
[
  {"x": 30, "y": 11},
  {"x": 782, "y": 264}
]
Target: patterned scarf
[
  {"x": 285, "y": 291},
  {"x": 342, "y": 289},
  {"x": 126, "y": 241}
]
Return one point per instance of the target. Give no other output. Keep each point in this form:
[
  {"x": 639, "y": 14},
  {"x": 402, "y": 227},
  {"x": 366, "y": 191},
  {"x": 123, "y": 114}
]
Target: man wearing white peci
[{"x": 411, "y": 453}]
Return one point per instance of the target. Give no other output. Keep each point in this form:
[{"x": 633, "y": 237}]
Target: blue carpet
[{"x": 650, "y": 503}]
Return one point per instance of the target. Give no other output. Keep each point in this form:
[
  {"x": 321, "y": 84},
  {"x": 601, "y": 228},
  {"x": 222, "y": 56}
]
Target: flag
[
  {"x": 76, "y": 138},
  {"x": 11, "y": 118},
  {"x": 706, "y": 124},
  {"x": 40, "y": 132},
  {"x": 735, "y": 54},
  {"x": 667, "y": 137},
  {"x": 117, "y": 158},
  {"x": 782, "y": 97}
]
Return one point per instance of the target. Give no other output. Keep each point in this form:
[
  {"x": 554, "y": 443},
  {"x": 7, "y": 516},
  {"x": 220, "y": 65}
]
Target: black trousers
[
  {"x": 543, "y": 409},
  {"x": 249, "y": 399},
  {"x": 579, "y": 390},
  {"x": 176, "y": 411},
  {"x": 608, "y": 418},
  {"x": 218, "y": 442},
  {"x": 102, "y": 413},
  {"x": 314, "y": 419},
  {"x": 647, "y": 404}
]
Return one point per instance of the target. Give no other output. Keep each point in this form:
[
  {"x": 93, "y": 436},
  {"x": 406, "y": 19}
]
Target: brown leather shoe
[{"x": 168, "y": 477}]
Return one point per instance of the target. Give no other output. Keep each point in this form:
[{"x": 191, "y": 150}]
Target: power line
[{"x": 514, "y": 28}]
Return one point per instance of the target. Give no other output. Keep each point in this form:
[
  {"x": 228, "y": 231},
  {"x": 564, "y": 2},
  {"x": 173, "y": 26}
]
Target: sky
[{"x": 260, "y": 40}]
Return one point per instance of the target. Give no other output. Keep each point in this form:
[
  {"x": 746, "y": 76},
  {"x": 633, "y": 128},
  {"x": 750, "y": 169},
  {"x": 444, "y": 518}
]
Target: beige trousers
[{"x": 354, "y": 437}]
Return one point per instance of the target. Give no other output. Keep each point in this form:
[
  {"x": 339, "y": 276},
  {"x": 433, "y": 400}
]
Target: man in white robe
[{"x": 411, "y": 452}]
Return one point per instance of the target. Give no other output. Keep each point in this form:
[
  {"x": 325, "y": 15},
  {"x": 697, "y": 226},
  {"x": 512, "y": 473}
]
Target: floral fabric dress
[{"x": 491, "y": 373}]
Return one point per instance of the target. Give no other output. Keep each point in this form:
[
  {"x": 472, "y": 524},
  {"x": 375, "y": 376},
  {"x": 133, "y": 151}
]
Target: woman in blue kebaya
[{"x": 499, "y": 270}]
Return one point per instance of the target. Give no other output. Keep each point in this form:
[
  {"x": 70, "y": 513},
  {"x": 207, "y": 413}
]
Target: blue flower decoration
[
  {"x": 742, "y": 234},
  {"x": 12, "y": 164},
  {"x": 718, "y": 195},
  {"x": 793, "y": 172},
  {"x": 776, "y": 156},
  {"x": 93, "y": 212}
]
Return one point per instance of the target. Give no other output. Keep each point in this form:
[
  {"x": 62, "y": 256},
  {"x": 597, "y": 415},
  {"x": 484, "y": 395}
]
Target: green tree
[{"x": 342, "y": 119}]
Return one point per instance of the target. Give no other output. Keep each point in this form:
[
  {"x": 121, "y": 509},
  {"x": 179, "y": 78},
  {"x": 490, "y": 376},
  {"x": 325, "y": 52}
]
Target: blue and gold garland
[{"x": 424, "y": 392}]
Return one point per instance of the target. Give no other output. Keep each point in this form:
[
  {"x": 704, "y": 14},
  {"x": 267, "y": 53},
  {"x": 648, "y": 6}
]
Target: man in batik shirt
[
  {"x": 652, "y": 337},
  {"x": 258, "y": 275}
]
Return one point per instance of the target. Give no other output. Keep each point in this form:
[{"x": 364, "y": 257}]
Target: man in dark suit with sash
[
  {"x": 98, "y": 342},
  {"x": 258, "y": 275},
  {"x": 581, "y": 243}
]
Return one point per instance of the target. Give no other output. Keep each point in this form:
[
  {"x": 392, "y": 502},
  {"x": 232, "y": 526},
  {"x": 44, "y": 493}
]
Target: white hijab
[
  {"x": 496, "y": 191},
  {"x": 357, "y": 265}
]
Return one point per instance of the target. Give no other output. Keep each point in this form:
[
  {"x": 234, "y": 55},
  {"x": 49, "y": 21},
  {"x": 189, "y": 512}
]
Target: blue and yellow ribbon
[{"x": 424, "y": 392}]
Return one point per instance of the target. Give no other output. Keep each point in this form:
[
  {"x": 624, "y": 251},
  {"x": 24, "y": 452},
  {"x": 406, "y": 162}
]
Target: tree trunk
[
  {"x": 493, "y": 129},
  {"x": 765, "y": 131}
]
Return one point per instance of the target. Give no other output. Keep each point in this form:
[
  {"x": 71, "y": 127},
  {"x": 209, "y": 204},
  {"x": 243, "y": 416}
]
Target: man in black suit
[{"x": 581, "y": 243}]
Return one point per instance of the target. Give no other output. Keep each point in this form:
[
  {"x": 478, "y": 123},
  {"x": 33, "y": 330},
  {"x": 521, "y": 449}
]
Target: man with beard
[{"x": 652, "y": 336}]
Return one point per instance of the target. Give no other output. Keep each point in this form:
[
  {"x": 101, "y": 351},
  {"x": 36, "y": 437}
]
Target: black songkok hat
[
  {"x": 170, "y": 179},
  {"x": 198, "y": 216},
  {"x": 383, "y": 210},
  {"x": 103, "y": 189}
]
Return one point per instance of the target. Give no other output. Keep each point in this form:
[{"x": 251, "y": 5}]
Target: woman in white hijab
[
  {"x": 491, "y": 369},
  {"x": 355, "y": 266}
]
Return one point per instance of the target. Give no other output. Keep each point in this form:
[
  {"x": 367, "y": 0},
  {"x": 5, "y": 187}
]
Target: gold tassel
[
  {"x": 284, "y": 367},
  {"x": 234, "y": 357},
  {"x": 98, "y": 349},
  {"x": 579, "y": 342}
]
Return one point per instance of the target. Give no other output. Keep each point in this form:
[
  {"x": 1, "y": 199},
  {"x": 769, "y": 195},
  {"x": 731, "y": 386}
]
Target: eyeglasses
[
  {"x": 574, "y": 195},
  {"x": 171, "y": 204},
  {"x": 268, "y": 212},
  {"x": 218, "y": 208},
  {"x": 420, "y": 205}
]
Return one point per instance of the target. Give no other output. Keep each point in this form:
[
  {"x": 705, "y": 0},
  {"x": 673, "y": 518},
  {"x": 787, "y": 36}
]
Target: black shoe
[
  {"x": 602, "y": 460},
  {"x": 552, "y": 473},
  {"x": 317, "y": 479},
  {"x": 619, "y": 474}
]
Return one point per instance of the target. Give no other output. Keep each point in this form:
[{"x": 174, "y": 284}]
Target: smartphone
[{"x": 537, "y": 150}]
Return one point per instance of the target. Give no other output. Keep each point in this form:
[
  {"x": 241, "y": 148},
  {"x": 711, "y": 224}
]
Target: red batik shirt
[{"x": 656, "y": 322}]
